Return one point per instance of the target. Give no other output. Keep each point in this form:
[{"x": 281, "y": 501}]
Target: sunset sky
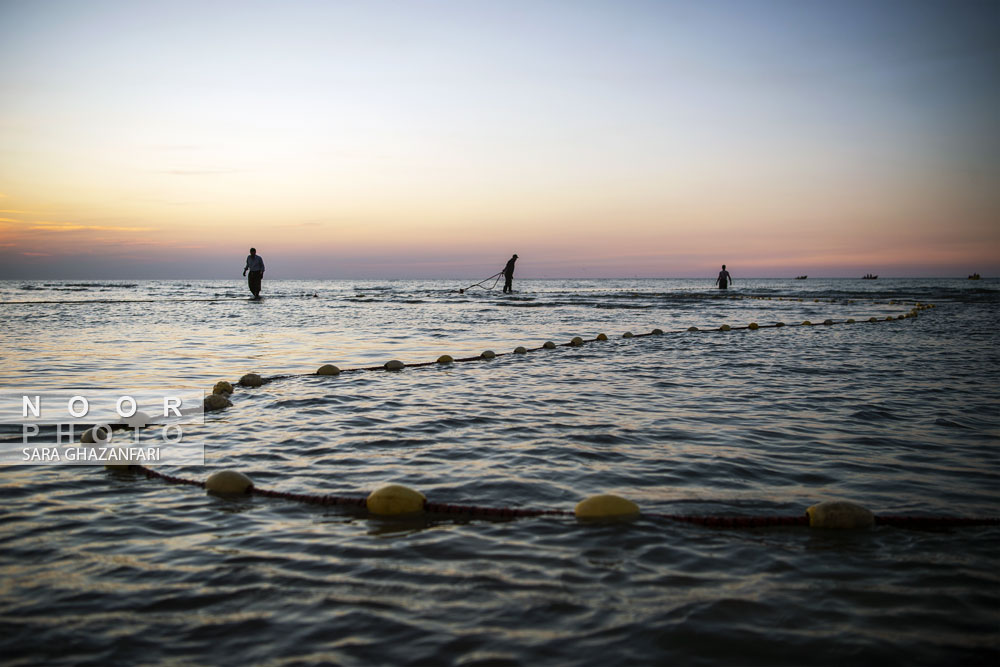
[{"x": 435, "y": 139}]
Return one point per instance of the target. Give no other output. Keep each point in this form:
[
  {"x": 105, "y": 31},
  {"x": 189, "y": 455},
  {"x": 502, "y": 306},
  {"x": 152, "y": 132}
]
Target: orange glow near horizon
[{"x": 593, "y": 238}]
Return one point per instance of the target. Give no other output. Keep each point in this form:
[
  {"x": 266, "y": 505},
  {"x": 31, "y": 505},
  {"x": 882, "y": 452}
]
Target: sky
[{"x": 417, "y": 139}]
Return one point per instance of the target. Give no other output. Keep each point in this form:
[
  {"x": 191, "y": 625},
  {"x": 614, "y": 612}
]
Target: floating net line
[
  {"x": 252, "y": 380},
  {"x": 608, "y": 507},
  {"x": 232, "y": 484}
]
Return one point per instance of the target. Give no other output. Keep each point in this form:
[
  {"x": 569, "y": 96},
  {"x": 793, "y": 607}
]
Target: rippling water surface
[{"x": 900, "y": 416}]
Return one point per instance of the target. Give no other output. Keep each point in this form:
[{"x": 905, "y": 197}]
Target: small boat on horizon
[
  {"x": 801, "y": 277},
  {"x": 974, "y": 276},
  {"x": 869, "y": 276}
]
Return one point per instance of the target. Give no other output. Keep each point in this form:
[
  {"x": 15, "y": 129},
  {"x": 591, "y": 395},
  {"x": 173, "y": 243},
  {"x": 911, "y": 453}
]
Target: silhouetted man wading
[
  {"x": 508, "y": 275},
  {"x": 255, "y": 265},
  {"x": 724, "y": 279}
]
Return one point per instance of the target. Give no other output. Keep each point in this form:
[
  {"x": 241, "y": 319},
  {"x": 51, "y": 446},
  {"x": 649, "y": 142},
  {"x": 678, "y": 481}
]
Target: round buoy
[
  {"x": 228, "y": 483},
  {"x": 394, "y": 365},
  {"x": 850, "y": 320},
  {"x": 725, "y": 327},
  {"x": 827, "y": 322},
  {"x": 328, "y": 369},
  {"x": 520, "y": 349},
  {"x": 139, "y": 419},
  {"x": 657, "y": 332},
  {"x": 487, "y": 354},
  {"x": 549, "y": 345},
  {"x": 251, "y": 380},
  {"x": 215, "y": 402},
  {"x": 606, "y": 506},
  {"x": 692, "y": 328},
  {"x": 627, "y": 334},
  {"x": 601, "y": 336},
  {"x": 888, "y": 318},
  {"x": 100, "y": 434},
  {"x": 839, "y": 514},
  {"x": 779, "y": 324},
  {"x": 753, "y": 326},
  {"x": 222, "y": 387},
  {"x": 806, "y": 323},
  {"x": 576, "y": 342},
  {"x": 445, "y": 359},
  {"x": 873, "y": 319},
  {"x": 395, "y": 499}
]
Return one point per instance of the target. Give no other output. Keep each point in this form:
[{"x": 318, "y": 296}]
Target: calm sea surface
[{"x": 903, "y": 417}]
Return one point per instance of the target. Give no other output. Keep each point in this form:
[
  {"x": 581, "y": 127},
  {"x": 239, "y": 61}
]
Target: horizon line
[{"x": 751, "y": 277}]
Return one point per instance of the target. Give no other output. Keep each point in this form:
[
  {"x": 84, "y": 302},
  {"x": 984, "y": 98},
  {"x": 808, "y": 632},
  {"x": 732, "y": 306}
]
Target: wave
[
  {"x": 121, "y": 285},
  {"x": 629, "y": 306}
]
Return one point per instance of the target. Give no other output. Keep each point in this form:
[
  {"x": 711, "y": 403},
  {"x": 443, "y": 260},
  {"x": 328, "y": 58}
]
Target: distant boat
[
  {"x": 801, "y": 277},
  {"x": 869, "y": 276},
  {"x": 974, "y": 276}
]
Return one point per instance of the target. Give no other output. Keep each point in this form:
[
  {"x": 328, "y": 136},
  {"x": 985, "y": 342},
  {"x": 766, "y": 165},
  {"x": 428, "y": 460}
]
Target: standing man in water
[
  {"x": 724, "y": 278},
  {"x": 255, "y": 265},
  {"x": 508, "y": 275}
]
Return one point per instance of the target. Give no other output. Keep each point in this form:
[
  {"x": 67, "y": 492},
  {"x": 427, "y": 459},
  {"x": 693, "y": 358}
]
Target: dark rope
[
  {"x": 152, "y": 474},
  {"x": 495, "y": 512},
  {"x": 480, "y": 283},
  {"x": 310, "y": 499}
]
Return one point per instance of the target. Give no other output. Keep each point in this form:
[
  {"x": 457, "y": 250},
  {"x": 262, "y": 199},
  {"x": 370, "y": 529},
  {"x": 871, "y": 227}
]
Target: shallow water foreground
[{"x": 901, "y": 416}]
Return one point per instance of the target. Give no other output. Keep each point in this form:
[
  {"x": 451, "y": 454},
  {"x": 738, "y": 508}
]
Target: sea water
[{"x": 901, "y": 416}]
